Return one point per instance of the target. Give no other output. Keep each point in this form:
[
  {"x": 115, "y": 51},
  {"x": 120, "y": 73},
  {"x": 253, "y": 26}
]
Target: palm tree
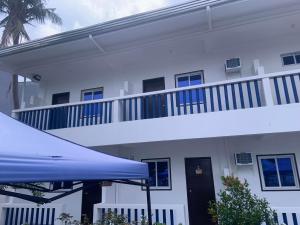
[{"x": 18, "y": 13}]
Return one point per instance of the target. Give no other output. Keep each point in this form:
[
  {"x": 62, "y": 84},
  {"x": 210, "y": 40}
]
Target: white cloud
[
  {"x": 43, "y": 30},
  {"x": 81, "y": 13}
]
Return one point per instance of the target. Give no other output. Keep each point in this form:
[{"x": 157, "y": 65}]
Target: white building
[{"x": 125, "y": 88}]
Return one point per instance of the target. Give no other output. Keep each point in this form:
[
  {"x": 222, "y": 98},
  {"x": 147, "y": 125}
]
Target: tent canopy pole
[{"x": 148, "y": 202}]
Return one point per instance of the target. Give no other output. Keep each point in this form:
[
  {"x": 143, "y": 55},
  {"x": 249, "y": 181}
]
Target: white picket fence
[
  {"x": 32, "y": 214},
  {"x": 171, "y": 214}
]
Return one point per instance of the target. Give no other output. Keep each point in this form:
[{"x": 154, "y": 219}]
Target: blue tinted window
[
  {"x": 88, "y": 96},
  {"x": 159, "y": 174},
  {"x": 183, "y": 81},
  {"x": 162, "y": 174},
  {"x": 288, "y": 60},
  {"x": 98, "y": 95},
  {"x": 192, "y": 95},
  {"x": 152, "y": 173},
  {"x": 286, "y": 172},
  {"x": 297, "y": 58},
  {"x": 270, "y": 172}
]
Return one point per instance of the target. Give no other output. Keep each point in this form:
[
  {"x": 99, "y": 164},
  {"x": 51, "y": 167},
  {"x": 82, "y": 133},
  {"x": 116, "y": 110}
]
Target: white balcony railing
[
  {"x": 19, "y": 213},
  {"x": 244, "y": 93},
  {"x": 172, "y": 214}
]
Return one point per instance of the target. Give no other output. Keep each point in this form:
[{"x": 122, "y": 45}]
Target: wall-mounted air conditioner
[
  {"x": 233, "y": 65},
  {"x": 243, "y": 159}
]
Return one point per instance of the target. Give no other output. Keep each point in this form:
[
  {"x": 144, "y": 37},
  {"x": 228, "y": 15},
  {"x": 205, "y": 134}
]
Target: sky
[{"x": 81, "y": 13}]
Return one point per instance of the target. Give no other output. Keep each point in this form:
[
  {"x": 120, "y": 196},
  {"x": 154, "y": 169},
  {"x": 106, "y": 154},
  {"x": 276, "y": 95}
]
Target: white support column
[
  {"x": 267, "y": 91},
  {"x": 116, "y": 111}
]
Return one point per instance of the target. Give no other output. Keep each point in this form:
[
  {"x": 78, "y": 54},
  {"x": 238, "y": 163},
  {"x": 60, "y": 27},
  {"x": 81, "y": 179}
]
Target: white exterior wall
[
  {"x": 221, "y": 151},
  {"x": 166, "y": 59}
]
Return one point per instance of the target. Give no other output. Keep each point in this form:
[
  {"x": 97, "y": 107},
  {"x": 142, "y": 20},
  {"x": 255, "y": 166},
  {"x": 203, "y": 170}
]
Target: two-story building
[{"x": 198, "y": 90}]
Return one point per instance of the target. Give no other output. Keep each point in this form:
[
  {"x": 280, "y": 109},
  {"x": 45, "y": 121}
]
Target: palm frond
[{"x": 20, "y": 12}]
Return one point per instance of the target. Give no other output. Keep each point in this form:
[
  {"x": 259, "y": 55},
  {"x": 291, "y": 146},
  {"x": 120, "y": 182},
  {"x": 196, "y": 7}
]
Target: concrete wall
[
  {"x": 221, "y": 151},
  {"x": 165, "y": 58}
]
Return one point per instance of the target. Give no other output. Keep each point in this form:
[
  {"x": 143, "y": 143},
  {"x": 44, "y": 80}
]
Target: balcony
[{"x": 240, "y": 95}]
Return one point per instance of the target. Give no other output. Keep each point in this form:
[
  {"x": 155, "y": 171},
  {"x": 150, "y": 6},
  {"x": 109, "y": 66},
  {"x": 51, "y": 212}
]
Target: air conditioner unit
[
  {"x": 233, "y": 65},
  {"x": 243, "y": 159}
]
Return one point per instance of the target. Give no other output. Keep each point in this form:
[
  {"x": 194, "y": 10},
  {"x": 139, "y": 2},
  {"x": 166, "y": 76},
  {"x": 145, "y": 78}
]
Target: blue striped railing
[
  {"x": 166, "y": 214},
  {"x": 203, "y": 99},
  {"x": 286, "y": 89},
  {"x": 243, "y": 93},
  {"x": 69, "y": 115},
  {"x": 287, "y": 215},
  {"x": 29, "y": 215}
]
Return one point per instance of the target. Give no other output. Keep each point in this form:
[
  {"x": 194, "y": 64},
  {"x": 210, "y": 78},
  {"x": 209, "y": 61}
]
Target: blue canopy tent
[{"x": 28, "y": 155}]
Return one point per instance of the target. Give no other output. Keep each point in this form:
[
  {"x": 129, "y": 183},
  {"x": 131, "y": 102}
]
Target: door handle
[{"x": 190, "y": 190}]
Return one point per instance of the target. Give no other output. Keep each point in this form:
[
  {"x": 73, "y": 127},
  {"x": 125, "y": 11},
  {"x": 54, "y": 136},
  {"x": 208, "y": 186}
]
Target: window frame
[
  {"x": 157, "y": 188},
  {"x": 91, "y": 90},
  {"x": 290, "y": 54},
  {"x": 189, "y": 74},
  {"x": 292, "y": 156}
]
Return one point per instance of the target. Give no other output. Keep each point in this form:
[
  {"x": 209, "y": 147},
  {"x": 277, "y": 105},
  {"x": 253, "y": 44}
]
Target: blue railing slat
[
  {"x": 164, "y": 216},
  {"x": 277, "y": 91},
  {"x": 226, "y": 97},
  {"x": 178, "y": 103},
  {"x": 48, "y": 217},
  {"x": 198, "y": 100},
  {"x": 159, "y": 106},
  {"x": 101, "y": 112},
  {"x": 285, "y": 218},
  {"x": 135, "y": 108},
  {"x": 147, "y": 107},
  {"x": 37, "y": 216},
  {"x": 53, "y": 216},
  {"x": 295, "y": 220},
  {"x": 7, "y": 213},
  {"x": 241, "y": 95},
  {"x": 171, "y": 216},
  {"x": 219, "y": 98},
  {"x": 257, "y": 93},
  {"x": 292, "y": 77},
  {"x": 156, "y": 215},
  {"x": 233, "y": 96},
  {"x": 142, "y": 108},
  {"x": 191, "y": 101},
  {"x": 154, "y": 104},
  {"x": 184, "y": 102},
  {"x": 27, "y": 215},
  {"x": 130, "y": 109},
  {"x": 129, "y": 215},
  {"x": 249, "y": 94},
  {"x": 212, "y": 104},
  {"x": 17, "y": 216},
  {"x": 166, "y": 105},
  {"x": 31, "y": 216},
  {"x": 285, "y": 88},
  {"x": 204, "y": 99},
  {"x": 22, "y": 216},
  {"x": 82, "y": 112},
  {"x": 105, "y": 116},
  {"x": 135, "y": 215},
  {"x": 42, "y": 216}
]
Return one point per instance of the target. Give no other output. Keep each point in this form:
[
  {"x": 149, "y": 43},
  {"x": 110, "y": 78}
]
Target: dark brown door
[
  {"x": 200, "y": 189},
  {"x": 91, "y": 194},
  {"x": 154, "y": 105},
  {"x": 60, "y": 98},
  {"x": 59, "y": 116}
]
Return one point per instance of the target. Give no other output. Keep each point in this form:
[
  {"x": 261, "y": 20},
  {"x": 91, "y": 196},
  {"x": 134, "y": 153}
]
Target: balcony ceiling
[{"x": 241, "y": 20}]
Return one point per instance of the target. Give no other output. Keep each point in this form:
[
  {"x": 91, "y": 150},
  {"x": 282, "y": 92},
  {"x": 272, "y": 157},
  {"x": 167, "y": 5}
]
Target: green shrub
[{"x": 238, "y": 206}]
